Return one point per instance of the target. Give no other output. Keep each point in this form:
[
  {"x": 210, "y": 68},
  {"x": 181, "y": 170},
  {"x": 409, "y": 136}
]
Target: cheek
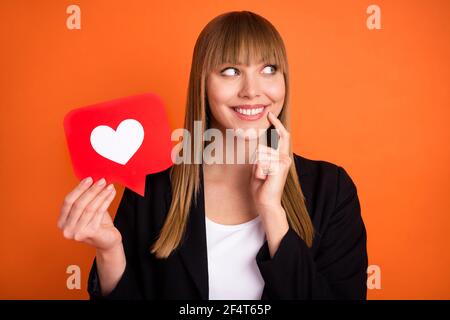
[
  {"x": 276, "y": 91},
  {"x": 219, "y": 93}
]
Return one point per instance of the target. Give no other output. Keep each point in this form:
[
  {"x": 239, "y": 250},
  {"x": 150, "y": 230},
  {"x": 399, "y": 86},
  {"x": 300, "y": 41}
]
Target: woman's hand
[
  {"x": 270, "y": 171},
  {"x": 84, "y": 216}
]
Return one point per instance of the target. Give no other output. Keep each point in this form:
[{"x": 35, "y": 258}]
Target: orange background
[{"x": 373, "y": 101}]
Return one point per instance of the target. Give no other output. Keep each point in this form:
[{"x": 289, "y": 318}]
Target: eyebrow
[{"x": 241, "y": 64}]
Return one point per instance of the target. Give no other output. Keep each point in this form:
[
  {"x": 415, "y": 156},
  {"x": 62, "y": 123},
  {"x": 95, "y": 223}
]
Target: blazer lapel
[{"x": 193, "y": 250}]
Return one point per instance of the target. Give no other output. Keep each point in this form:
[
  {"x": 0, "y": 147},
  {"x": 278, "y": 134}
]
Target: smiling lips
[{"x": 250, "y": 112}]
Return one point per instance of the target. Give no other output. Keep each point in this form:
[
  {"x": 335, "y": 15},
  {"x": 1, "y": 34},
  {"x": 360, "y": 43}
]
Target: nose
[{"x": 249, "y": 87}]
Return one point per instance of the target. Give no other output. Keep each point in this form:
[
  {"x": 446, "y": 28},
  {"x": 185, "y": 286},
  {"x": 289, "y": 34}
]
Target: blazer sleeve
[
  {"x": 127, "y": 287},
  {"x": 338, "y": 270}
]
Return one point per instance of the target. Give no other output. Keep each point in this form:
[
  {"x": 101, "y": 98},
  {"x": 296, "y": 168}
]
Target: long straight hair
[{"x": 229, "y": 38}]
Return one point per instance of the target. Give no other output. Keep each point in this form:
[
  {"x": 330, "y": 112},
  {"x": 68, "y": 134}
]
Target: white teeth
[{"x": 249, "y": 112}]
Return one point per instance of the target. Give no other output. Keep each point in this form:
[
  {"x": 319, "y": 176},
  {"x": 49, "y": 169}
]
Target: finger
[
  {"x": 267, "y": 149},
  {"x": 91, "y": 209},
  {"x": 271, "y": 160},
  {"x": 283, "y": 143},
  {"x": 254, "y": 170},
  {"x": 262, "y": 152},
  {"x": 80, "y": 204},
  {"x": 98, "y": 217},
  {"x": 261, "y": 169},
  {"x": 272, "y": 156},
  {"x": 70, "y": 199},
  {"x": 263, "y": 155}
]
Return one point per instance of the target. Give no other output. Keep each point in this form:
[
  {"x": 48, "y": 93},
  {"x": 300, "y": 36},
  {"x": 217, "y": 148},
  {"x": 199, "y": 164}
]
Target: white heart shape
[{"x": 120, "y": 145}]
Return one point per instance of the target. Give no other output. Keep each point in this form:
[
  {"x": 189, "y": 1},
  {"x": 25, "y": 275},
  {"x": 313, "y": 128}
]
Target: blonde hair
[{"x": 228, "y": 38}]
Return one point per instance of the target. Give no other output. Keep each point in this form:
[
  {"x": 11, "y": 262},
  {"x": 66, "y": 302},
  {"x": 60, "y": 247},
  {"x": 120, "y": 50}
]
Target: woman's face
[{"x": 241, "y": 96}]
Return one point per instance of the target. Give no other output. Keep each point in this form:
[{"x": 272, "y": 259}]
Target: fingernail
[
  {"x": 87, "y": 180},
  {"x": 101, "y": 182},
  {"x": 110, "y": 187}
]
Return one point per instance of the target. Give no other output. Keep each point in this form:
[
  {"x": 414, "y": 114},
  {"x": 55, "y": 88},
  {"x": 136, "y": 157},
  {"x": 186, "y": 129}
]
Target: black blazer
[{"x": 334, "y": 268}]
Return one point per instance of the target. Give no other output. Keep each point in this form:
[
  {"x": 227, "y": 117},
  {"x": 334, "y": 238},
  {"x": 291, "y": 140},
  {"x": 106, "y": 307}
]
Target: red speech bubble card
[{"x": 121, "y": 140}]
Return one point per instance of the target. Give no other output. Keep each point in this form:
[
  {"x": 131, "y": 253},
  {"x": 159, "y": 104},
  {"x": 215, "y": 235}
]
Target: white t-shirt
[{"x": 232, "y": 269}]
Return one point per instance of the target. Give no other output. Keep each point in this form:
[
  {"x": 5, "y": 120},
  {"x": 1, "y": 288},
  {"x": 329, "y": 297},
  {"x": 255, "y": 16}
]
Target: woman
[{"x": 279, "y": 226}]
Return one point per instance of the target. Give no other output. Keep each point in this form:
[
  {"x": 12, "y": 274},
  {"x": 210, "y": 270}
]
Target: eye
[
  {"x": 271, "y": 66},
  {"x": 231, "y": 71},
  {"x": 228, "y": 69}
]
